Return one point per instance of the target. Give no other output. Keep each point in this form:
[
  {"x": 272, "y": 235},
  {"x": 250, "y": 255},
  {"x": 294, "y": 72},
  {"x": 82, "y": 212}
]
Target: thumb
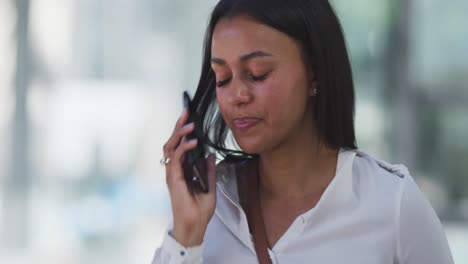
[{"x": 211, "y": 165}]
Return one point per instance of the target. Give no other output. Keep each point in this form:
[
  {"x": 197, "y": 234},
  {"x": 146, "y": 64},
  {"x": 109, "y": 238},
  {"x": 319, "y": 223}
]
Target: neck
[{"x": 297, "y": 168}]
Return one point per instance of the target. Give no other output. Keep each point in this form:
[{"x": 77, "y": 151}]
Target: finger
[
  {"x": 182, "y": 119},
  {"x": 176, "y": 137},
  {"x": 184, "y": 139},
  {"x": 184, "y": 147},
  {"x": 174, "y": 172},
  {"x": 211, "y": 165}
]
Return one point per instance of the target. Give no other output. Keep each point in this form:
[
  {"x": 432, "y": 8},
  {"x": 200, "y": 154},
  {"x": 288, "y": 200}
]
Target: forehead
[{"x": 243, "y": 34}]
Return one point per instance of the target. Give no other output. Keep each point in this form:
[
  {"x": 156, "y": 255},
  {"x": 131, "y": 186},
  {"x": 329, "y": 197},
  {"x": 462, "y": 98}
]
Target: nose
[{"x": 240, "y": 94}]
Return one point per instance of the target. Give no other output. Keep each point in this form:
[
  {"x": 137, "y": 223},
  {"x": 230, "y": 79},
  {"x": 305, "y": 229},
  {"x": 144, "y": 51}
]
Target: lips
[{"x": 245, "y": 123}]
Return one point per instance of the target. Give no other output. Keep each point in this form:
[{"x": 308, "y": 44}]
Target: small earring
[{"x": 314, "y": 92}]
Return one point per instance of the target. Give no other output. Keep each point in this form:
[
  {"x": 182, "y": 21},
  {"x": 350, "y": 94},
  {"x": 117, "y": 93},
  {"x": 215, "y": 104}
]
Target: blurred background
[{"x": 90, "y": 90}]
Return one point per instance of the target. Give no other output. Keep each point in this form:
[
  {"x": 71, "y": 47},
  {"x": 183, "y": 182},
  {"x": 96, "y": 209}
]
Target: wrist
[{"x": 187, "y": 238}]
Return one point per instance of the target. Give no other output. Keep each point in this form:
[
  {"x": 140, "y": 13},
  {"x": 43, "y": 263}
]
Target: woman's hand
[{"x": 191, "y": 213}]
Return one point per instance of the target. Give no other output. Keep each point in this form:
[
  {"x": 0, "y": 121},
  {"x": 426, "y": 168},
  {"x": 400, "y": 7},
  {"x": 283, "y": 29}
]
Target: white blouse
[{"x": 371, "y": 212}]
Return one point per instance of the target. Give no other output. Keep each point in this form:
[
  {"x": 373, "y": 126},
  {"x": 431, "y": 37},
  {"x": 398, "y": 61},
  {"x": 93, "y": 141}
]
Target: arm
[{"x": 421, "y": 238}]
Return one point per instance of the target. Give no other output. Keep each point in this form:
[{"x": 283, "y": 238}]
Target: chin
[{"x": 250, "y": 145}]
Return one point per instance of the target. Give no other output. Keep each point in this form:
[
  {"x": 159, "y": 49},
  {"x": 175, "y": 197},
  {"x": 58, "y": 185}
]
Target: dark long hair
[{"x": 314, "y": 25}]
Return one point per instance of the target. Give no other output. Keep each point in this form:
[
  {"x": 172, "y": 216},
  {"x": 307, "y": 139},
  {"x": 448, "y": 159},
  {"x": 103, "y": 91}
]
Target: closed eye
[
  {"x": 251, "y": 76},
  {"x": 259, "y": 78},
  {"x": 222, "y": 83}
]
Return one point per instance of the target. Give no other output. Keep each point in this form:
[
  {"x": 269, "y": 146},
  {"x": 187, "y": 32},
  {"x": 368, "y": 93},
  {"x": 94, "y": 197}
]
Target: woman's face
[{"x": 262, "y": 85}]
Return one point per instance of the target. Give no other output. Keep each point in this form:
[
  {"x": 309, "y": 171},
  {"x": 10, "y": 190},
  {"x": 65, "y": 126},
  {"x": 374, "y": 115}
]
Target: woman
[{"x": 277, "y": 75}]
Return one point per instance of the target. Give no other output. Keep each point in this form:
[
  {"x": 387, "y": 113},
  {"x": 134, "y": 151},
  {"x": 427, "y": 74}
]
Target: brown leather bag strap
[{"x": 247, "y": 185}]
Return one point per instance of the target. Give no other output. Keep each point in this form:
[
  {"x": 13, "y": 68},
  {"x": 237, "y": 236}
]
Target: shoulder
[
  {"x": 392, "y": 185},
  {"x": 365, "y": 161},
  {"x": 382, "y": 181},
  {"x": 376, "y": 182},
  {"x": 390, "y": 190},
  {"x": 379, "y": 175}
]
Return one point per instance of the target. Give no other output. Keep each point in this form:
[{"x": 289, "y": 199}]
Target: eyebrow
[{"x": 245, "y": 57}]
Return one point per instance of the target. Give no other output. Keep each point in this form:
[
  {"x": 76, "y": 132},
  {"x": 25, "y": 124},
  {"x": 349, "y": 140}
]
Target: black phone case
[{"x": 194, "y": 164}]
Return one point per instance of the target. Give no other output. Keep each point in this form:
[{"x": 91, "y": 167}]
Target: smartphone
[{"x": 194, "y": 164}]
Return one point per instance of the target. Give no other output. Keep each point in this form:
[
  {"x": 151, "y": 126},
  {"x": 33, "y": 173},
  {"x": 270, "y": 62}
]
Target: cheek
[
  {"x": 221, "y": 99},
  {"x": 285, "y": 100}
]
